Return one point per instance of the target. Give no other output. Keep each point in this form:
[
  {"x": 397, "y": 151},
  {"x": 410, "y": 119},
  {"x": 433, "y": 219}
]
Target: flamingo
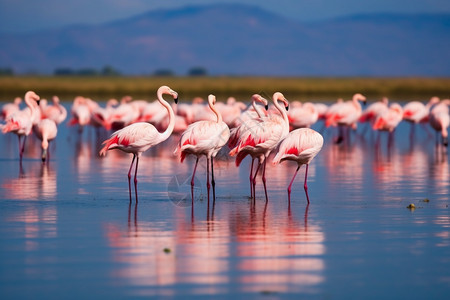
[
  {"x": 21, "y": 122},
  {"x": 139, "y": 137},
  {"x": 253, "y": 112},
  {"x": 55, "y": 112},
  {"x": 303, "y": 115},
  {"x": 81, "y": 112},
  {"x": 345, "y": 114},
  {"x": 260, "y": 139},
  {"x": 249, "y": 123},
  {"x": 389, "y": 119},
  {"x": 301, "y": 145},
  {"x": 101, "y": 116},
  {"x": 206, "y": 138},
  {"x": 10, "y": 108},
  {"x": 417, "y": 112},
  {"x": 125, "y": 114},
  {"x": 46, "y": 130},
  {"x": 374, "y": 110},
  {"x": 439, "y": 119}
]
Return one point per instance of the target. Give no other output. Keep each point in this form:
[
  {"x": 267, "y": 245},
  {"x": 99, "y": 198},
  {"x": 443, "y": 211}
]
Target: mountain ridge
[{"x": 235, "y": 39}]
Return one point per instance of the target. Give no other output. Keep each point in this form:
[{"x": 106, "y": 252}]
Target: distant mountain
[{"x": 234, "y": 39}]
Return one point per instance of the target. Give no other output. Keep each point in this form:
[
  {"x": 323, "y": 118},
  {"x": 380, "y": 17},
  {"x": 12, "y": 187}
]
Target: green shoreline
[{"x": 300, "y": 88}]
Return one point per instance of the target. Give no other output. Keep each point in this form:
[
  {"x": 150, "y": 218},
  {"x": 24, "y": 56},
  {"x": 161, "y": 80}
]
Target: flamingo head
[
  {"x": 279, "y": 96},
  {"x": 259, "y": 98},
  {"x": 33, "y": 96},
  {"x": 359, "y": 97},
  {"x": 211, "y": 99},
  {"x": 167, "y": 90}
]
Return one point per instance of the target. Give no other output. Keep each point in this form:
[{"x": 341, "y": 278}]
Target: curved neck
[
  {"x": 29, "y": 101},
  {"x": 212, "y": 107},
  {"x": 165, "y": 135},
  {"x": 280, "y": 108},
  {"x": 257, "y": 109},
  {"x": 356, "y": 103}
]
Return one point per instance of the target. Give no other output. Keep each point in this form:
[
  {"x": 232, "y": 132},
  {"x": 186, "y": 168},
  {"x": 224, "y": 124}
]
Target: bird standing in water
[
  {"x": 301, "y": 146},
  {"x": 206, "y": 138},
  {"x": 139, "y": 137}
]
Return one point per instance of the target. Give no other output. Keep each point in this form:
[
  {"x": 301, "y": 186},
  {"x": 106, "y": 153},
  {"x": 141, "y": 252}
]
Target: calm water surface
[{"x": 68, "y": 230}]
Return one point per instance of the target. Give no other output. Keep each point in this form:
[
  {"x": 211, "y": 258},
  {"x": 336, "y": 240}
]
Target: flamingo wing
[{"x": 136, "y": 137}]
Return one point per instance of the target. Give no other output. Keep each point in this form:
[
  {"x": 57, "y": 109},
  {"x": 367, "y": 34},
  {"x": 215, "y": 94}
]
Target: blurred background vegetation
[{"x": 109, "y": 83}]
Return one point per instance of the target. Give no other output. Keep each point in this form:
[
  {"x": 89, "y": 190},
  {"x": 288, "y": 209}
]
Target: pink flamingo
[
  {"x": 101, "y": 116},
  {"x": 261, "y": 139},
  {"x": 303, "y": 115},
  {"x": 46, "y": 130},
  {"x": 345, "y": 114},
  {"x": 125, "y": 114},
  {"x": 81, "y": 113},
  {"x": 301, "y": 146},
  {"x": 439, "y": 119},
  {"x": 10, "y": 108},
  {"x": 55, "y": 112},
  {"x": 374, "y": 110},
  {"x": 417, "y": 112},
  {"x": 204, "y": 138},
  {"x": 389, "y": 119},
  {"x": 139, "y": 137},
  {"x": 253, "y": 120},
  {"x": 253, "y": 112},
  {"x": 21, "y": 122}
]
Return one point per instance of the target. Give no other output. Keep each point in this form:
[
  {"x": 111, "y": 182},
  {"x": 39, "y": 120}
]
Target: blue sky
[{"x": 29, "y": 15}]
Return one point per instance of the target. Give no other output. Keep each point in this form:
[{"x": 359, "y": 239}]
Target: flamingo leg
[
  {"x": 213, "y": 182},
  {"x": 193, "y": 174},
  {"x": 290, "y": 184},
  {"x": 135, "y": 178},
  {"x": 208, "y": 185},
  {"x": 251, "y": 178},
  {"x": 129, "y": 175},
  {"x": 254, "y": 178},
  {"x": 20, "y": 146},
  {"x": 340, "y": 137},
  {"x": 192, "y": 180},
  {"x": 264, "y": 179},
  {"x": 305, "y": 186}
]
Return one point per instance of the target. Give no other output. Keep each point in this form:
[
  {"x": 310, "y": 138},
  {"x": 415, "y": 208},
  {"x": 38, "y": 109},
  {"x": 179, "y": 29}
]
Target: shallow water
[{"x": 68, "y": 230}]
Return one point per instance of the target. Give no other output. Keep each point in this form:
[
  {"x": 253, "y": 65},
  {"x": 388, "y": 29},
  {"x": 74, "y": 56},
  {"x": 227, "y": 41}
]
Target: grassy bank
[{"x": 188, "y": 87}]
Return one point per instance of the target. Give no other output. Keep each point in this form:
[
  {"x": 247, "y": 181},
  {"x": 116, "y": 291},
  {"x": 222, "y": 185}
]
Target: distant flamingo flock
[{"x": 253, "y": 130}]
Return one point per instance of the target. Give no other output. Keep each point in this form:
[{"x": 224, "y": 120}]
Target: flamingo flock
[{"x": 257, "y": 130}]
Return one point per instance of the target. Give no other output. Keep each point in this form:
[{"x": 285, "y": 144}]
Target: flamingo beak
[
  {"x": 445, "y": 141},
  {"x": 266, "y": 106},
  {"x": 287, "y": 107},
  {"x": 176, "y": 99}
]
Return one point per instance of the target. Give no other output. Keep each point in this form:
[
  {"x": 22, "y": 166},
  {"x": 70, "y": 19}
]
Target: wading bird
[
  {"x": 260, "y": 139},
  {"x": 204, "y": 138},
  {"x": 46, "y": 131},
  {"x": 345, "y": 114},
  {"x": 139, "y": 137},
  {"x": 301, "y": 146},
  {"x": 440, "y": 119},
  {"x": 21, "y": 122},
  {"x": 254, "y": 118}
]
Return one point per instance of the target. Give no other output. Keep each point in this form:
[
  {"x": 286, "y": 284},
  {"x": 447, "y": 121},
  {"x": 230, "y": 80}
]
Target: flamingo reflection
[{"x": 280, "y": 257}]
